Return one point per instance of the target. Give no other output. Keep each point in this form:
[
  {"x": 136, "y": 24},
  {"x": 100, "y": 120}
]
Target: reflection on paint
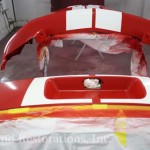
[
  {"x": 11, "y": 85},
  {"x": 4, "y": 79}
]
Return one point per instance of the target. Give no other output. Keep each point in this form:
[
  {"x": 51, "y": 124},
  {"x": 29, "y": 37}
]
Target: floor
[{"x": 62, "y": 62}]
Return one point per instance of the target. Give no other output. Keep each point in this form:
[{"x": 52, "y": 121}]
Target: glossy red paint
[
  {"x": 111, "y": 87},
  {"x": 12, "y": 93},
  {"x": 55, "y": 23},
  {"x": 56, "y": 90},
  {"x": 135, "y": 26}
]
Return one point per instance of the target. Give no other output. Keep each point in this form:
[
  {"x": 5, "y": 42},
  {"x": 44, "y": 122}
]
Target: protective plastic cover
[
  {"x": 111, "y": 44},
  {"x": 78, "y": 133}
]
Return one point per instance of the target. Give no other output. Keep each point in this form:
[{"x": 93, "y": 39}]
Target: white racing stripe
[
  {"x": 78, "y": 19},
  {"x": 108, "y": 20},
  {"x": 35, "y": 95},
  {"x": 105, "y": 19}
]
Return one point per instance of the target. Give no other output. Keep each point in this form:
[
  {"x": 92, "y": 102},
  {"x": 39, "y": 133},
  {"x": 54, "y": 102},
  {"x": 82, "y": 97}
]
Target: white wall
[
  {"x": 146, "y": 10},
  {"x": 113, "y": 4},
  {"x": 29, "y": 9},
  {"x": 3, "y": 29},
  {"x": 132, "y": 6},
  {"x": 25, "y": 10},
  {"x": 3, "y": 22},
  {"x": 136, "y": 7}
]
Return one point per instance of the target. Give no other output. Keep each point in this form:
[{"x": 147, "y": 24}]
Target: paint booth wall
[
  {"x": 6, "y": 4},
  {"x": 136, "y": 7},
  {"x": 27, "y": 9}
]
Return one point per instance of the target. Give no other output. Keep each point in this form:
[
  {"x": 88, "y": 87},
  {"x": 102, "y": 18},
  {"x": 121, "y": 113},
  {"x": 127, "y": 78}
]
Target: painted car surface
[{"x": 101, "y": 111}]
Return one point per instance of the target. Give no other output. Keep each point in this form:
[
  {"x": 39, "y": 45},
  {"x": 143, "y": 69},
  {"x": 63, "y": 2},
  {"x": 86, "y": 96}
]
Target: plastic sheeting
[
  {"x": 89, "y": 133},
  {"x": 111, "y": 44}
]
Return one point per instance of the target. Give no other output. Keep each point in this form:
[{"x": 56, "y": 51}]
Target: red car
[{"x": 82, "y": 111}]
